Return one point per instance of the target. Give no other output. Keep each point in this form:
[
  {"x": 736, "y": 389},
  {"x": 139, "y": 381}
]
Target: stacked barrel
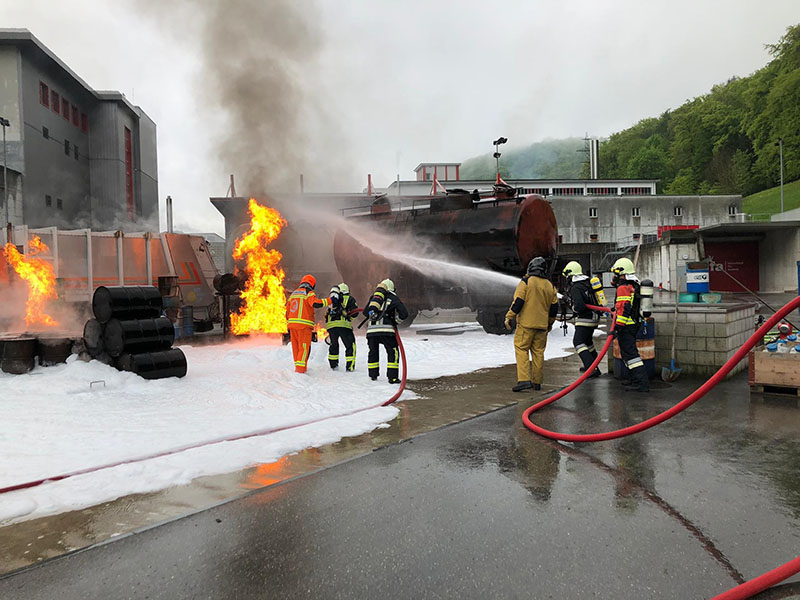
[{"x": 129, "y": 332}]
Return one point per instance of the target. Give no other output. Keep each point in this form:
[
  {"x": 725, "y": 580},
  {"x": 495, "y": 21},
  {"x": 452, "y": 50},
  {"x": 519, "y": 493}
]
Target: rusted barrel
[
  {"x": 54, "y": 350},
  {"x": 140, "y": 335},
  {"x": 93, "y": 337},
  {"x": 126, "y": 303},
  {"x": 154, "y": 365},
  {"x": 18, "y": 354}
]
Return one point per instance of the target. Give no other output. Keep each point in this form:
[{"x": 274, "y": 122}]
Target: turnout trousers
[
  {"x": 301, "y": 345},
  {"x": 348, "y": 339},
  {"x": 626, "y": 337},
  {"x": 529, "y": 345},
  {"x": 584, "y": 346},
  {"x": 389, "y": 341}
]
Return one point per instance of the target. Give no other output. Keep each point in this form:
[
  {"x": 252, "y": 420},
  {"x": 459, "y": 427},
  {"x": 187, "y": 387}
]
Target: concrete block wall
[{"x": 707, "y": 336}]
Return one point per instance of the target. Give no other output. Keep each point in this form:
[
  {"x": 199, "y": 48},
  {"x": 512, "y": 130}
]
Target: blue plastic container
[
  {"x": 697, "y": 280},
  {"x": 773, "y": 347},
  {"x": 187, "y": 321}
]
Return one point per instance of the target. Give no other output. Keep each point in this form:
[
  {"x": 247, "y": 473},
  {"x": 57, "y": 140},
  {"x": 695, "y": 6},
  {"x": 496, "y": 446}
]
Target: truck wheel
[{"x": 493, "y": 322}]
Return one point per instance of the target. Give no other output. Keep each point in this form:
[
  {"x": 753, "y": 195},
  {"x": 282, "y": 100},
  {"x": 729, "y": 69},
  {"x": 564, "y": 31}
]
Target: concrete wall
[
  {"x": 147, "y": 173},
  {"x": 707, "y": 336},
  {"x": 789, "y": 215},
  {"x": 778, "y": 253},
  {"x": 665, "y": 264}
]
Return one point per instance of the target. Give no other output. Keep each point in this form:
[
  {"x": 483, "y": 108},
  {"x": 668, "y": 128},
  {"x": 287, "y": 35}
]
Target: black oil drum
[
  {"x": 126, "y": 302},
  {"x": 154, "y": 365},
  {"x": 93, "y": 337},
  {"x": 18, "y": 354},
  {"x": 140, "y": 335},
  {"x": 54, "y": 350}
]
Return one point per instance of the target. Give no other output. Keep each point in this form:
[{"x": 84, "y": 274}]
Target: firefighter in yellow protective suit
[{"x": 535, "y": 307}]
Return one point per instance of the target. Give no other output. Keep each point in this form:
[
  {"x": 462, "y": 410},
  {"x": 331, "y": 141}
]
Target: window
[
  {"x": 567, "y": 191},
  {"x": 560, "y": 239},
  {"x": 48, "y": 201},
  {"x": 55, "y": 101},
  {"x": 635, "y": 191},
  {"x": 66, "y": 147},
  {"x": 65, "y": 108},
  {"x": 677, "y": 211},
  {"x": 636, "y": 236},
  {"x": 601, "y": 191},
  {"x": 428, "y": 176},
  {"x": 592, "y": 212},
  {"x": 732, "y": 210},
  {"x": 76, "y": 116},
  {"x": 59, "y": 204},
  {"x": 635, "y": 212},
  {"x": 75, "y": 151},
  {"x": 84, "y": 123},
  {"x": 44, "y": 94},
  {"x": 45, "y": 133},
  {"x": 593, "y": 237}
]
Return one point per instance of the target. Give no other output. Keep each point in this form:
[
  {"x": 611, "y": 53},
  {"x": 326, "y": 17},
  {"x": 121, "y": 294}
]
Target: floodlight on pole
[
  {"x": 5, "y": 123},
  {"x": 497, "y": 142}
]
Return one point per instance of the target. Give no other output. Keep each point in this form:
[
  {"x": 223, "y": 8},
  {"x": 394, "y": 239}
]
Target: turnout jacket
[
  {"x": 394, "y": 312},
  {"x": 627, "y": 303},
  {"x": 343, "y": 319},
  {"x": 301, "y": 305},
  {"x": 581, "y": 293},
  {"x": 535, "y": 303}
]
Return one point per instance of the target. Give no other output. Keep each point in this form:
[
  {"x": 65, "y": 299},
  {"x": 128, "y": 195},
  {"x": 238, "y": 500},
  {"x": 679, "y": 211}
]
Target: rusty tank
[{"x": 499, "y": 231}]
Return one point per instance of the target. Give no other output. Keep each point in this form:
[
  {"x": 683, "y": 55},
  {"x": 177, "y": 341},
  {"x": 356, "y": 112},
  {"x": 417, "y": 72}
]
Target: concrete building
[
  {"x": 442, "y": 171},
  {"x": 77, "y": 157},
  {"x": 421, "y": 186}
]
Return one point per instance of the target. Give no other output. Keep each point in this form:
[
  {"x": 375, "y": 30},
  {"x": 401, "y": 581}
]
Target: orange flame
[
  {"x": 40, "y": 277},
  {"x": 321, "y": 332},
  {"x": 264, "y": 309}
]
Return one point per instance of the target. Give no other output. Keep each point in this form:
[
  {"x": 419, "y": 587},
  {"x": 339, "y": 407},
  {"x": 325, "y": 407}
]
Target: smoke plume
[{"x": 255, "y": 86}]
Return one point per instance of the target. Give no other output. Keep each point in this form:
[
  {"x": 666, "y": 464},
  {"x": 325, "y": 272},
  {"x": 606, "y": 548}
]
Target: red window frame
[
  {"x": 55, "y": 101},
  {"x": 44, "y": 94},
  {"x": 84, "y": 123},
  {"x": 76, "y": 116},
  {"x": 65, "y": 108}
]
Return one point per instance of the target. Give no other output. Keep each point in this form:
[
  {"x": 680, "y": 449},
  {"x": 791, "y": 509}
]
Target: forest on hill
[{"x": 723, "y": 142}]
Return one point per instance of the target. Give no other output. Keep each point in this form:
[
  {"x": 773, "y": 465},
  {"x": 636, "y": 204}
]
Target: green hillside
[
  {"x": 551, "y": 159},
  {"x": 768, "y": 202}
]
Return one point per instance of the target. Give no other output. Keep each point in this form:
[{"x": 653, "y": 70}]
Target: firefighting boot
[{"x": 522, "y": 386}]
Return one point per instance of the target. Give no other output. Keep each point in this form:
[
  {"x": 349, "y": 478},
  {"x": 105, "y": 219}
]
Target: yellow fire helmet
[
  {"x": 573, "y": 267},
  {"x": 344, "y": 288},
  {"x": 623, "y": 266},
  {"x": 387, "y": 284}
]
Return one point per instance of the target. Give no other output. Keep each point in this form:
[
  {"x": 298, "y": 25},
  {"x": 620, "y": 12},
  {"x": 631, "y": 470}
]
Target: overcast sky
[{"x": 396, "y": 83}]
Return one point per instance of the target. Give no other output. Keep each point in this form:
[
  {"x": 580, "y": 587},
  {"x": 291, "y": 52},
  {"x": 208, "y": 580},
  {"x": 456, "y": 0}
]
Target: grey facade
[{"x": 78, "y": 157}]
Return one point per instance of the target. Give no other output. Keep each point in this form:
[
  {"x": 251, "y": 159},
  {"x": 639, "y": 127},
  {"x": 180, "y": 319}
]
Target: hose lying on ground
[
  {"x": 184, "y": 448},
  {"x": 748, "y": 588}
]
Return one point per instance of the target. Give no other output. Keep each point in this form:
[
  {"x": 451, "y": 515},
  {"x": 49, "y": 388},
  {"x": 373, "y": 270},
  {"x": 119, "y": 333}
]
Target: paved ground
[{"x": 485, "y": 509}]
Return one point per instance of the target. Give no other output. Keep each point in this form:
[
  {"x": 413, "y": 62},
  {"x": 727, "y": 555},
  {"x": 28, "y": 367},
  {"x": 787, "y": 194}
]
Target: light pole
[
  {"x": 779, "y": 143},
  {"x": 497, "y": 142},
  {"x": 5, "y": 123}
]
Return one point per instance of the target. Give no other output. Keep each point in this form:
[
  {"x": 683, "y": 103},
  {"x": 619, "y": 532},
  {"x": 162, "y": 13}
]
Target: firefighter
[
  {"x": 385, "y": 311},
  {"x": 338, "y": 322},
  {"x": 582, "y": 291},
  {"x": 300, "y": 315},
  {"x": 535, "y": 307},
  {"x": 627, "y": 321}
]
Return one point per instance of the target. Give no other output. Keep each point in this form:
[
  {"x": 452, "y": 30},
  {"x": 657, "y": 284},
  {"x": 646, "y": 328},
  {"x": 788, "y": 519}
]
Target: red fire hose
[
  {"x": 749, "y": 588},
  {"x": 260, "y": 432}
]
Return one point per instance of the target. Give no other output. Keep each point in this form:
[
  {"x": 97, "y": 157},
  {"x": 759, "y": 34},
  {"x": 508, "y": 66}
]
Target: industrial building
[{"x": 77, "y": 157}]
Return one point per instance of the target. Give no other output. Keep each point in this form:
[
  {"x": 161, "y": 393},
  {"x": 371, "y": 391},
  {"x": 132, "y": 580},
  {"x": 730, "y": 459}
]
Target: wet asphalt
[{"x": 486, "y": 509}]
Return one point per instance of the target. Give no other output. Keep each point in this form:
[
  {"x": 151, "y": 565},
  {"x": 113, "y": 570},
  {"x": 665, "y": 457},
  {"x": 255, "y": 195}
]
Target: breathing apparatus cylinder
[
  {"x": 646, "y": 291},
  {"x": 597, "y": 288}
]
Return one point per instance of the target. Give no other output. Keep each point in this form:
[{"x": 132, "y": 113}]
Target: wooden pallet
[
  {"x": 775, "y": 390},
  {"x": 779, "y": 370}
]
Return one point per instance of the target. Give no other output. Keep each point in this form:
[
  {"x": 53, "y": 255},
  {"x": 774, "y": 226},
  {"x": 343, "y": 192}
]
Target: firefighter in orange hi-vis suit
[{"x": 300, "y": 315}]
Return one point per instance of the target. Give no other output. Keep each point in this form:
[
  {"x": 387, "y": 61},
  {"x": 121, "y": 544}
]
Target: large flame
[
  {"x": 264, "y": 309},
  {"x": 40, "y": 277}
]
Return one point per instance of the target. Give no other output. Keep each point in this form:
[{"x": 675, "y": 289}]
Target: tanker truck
[{"x": 499, "y": 231}]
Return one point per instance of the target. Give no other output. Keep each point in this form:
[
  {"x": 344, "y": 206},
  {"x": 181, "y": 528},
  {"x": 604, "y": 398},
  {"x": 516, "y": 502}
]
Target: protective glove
[{"x": 508, "y": 324}]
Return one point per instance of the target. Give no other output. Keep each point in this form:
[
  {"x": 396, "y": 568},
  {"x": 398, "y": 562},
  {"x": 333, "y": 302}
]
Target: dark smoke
[{"x": 258, "y": 59}]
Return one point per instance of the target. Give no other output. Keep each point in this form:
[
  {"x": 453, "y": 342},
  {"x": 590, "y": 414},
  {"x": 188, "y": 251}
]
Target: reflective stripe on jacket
[
  {"x": 301, "y": 305},
  {"x": 624, "y": 303},
  {"x": 348, "y": 306}
]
